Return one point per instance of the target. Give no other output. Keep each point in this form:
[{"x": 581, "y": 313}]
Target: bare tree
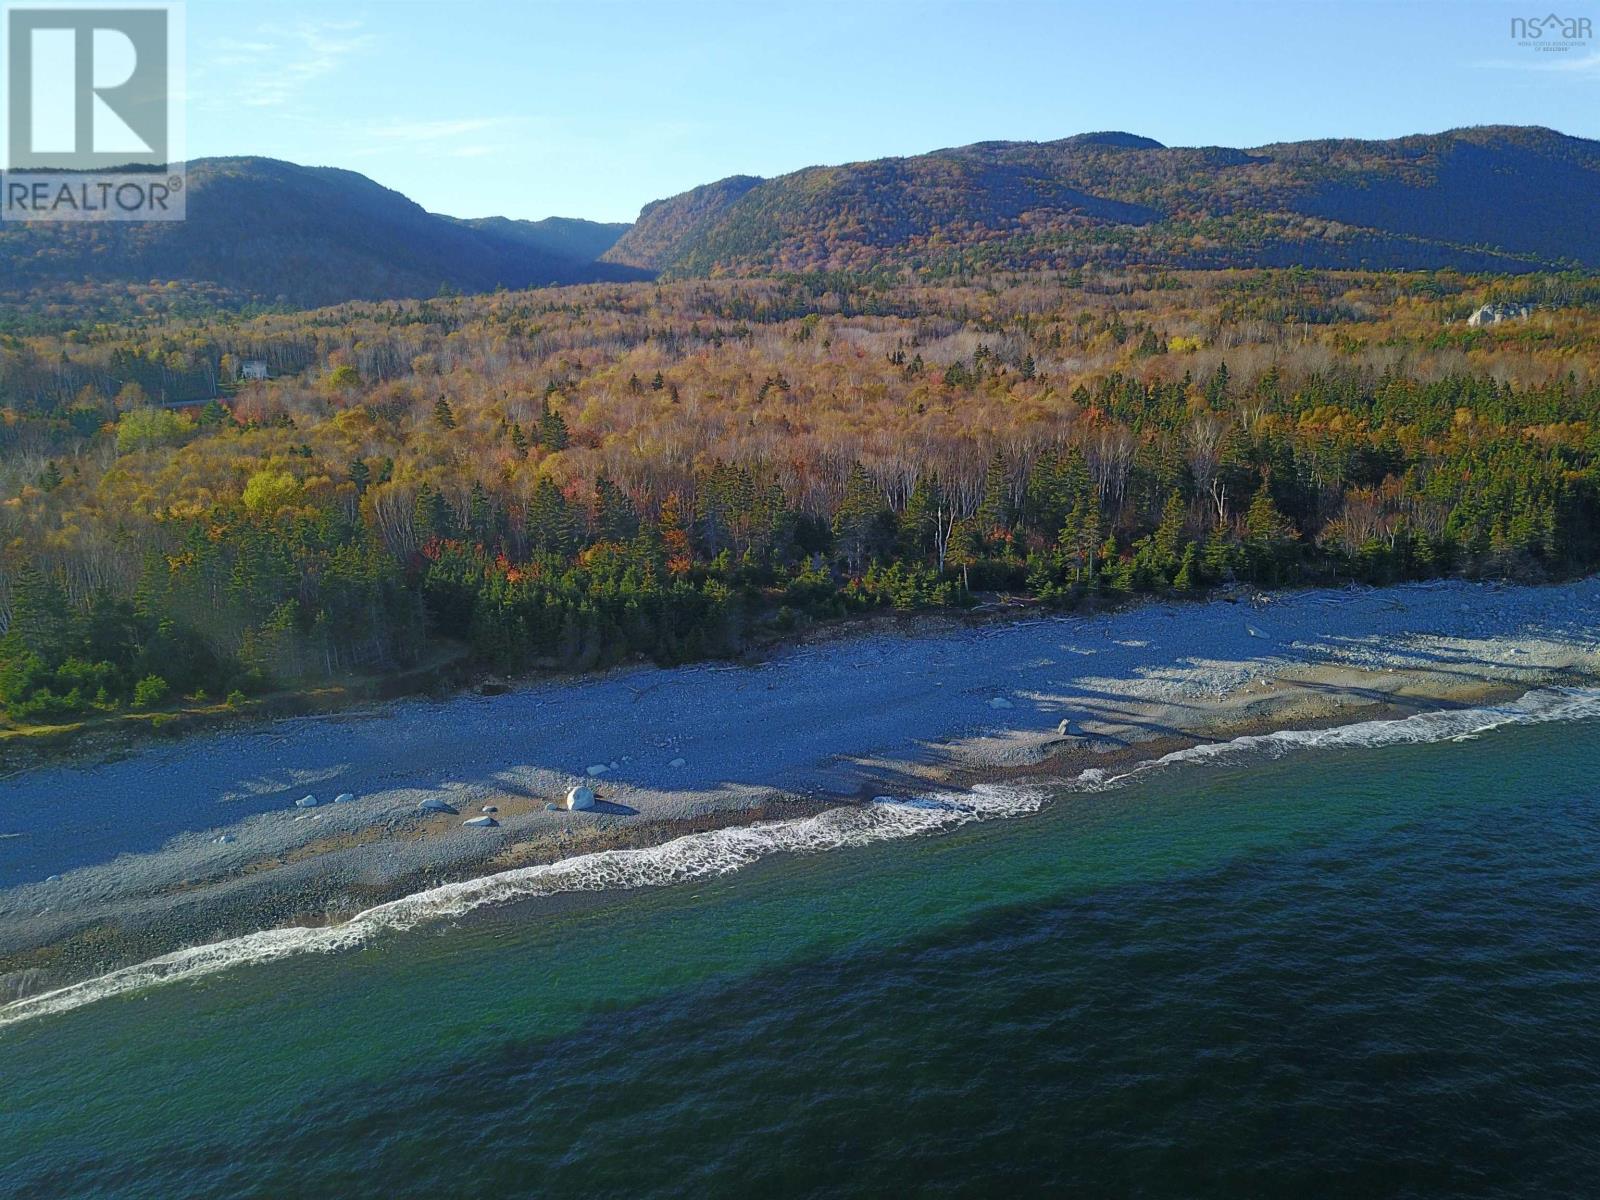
[
  {"x": 394, "y": 513},
  {"x": 1108, "y": 451},
  {"x": 1204, "y": 439},
  {"x": 944, "y": 527}
]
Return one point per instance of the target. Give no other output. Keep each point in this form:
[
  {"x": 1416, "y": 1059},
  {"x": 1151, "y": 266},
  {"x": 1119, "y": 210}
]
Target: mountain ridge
[
  {"x": 1483, "y": 198},
  {"x": 1509, "y": 198},
  {"x": 569, "y": 237},
  {"x": 279, "y": 231}
]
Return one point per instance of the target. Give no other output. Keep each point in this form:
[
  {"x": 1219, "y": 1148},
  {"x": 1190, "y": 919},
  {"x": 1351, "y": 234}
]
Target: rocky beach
[{"x": 104, "y": 864}]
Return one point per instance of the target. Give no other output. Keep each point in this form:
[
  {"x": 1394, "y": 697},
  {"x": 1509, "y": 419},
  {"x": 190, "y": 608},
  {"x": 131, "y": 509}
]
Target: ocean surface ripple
[{"x": 1356, "y": 962}]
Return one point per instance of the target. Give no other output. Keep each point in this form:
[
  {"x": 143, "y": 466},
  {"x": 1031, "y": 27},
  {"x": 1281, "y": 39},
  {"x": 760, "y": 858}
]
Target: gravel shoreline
[{"x": 102, "y": 864}]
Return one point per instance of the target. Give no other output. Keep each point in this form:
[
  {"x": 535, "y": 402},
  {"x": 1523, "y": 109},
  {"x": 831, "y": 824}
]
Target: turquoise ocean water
[{"x": 1363, "y": 963}]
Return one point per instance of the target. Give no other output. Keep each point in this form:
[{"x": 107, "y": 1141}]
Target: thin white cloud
[
  {"x": 237, "y": 52},
  {"x": 433, "y": 131},
  {"x": 1589, "y": 63},
  {"x": 1563, "y": 64},
  {"x": 474, "y": 137},
  {"x": 272, "y": 65}
]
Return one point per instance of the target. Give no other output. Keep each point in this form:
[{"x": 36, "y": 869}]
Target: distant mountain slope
[
  {"x": 1490, "y": 198},
  {"x": 569, "y": 237},
  {"x": 306, "y": 235},
  {"x": 666, "y": 227}
]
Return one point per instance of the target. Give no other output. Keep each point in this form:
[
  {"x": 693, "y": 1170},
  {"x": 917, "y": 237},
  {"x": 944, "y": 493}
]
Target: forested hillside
[
  {"x": 276, "y": 232},
  {"x": 666, "y": 228},
  {"x": 578, "y": 476},
  {"x": 1487, "y": 199},
  {"x": 569, "y": 237},
  {"x": 265, "y": 233}
]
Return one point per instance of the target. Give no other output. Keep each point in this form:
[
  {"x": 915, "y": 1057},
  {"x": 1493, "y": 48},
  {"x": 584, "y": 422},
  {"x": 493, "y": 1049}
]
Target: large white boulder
[
  {"x": 580, "y": 798},
  {"x": 1502, "y": 310},
  {"x": 481, "y": 822},
  {"x": 306, "y": 802}
]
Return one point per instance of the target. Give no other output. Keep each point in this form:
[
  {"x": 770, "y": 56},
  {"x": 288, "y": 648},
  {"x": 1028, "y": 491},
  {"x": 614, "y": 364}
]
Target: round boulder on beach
[{"x": 580, "y": 798}]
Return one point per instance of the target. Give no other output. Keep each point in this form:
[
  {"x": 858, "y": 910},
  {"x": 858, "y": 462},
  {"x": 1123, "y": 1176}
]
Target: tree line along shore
[{"x": 212, "y": 507}]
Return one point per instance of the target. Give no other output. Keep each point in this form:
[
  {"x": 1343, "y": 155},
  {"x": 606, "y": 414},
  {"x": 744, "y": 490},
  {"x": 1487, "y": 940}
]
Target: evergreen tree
[
  {"x": 616, "y": 519},
  {"x": 1167, "y": 540},
  {"x": 1080, "y": 542},
  {"x": 1269, "y": 539},
  {"x": 482, "y": 525},
  {"x": 1217, "y": 387},
  {"x": 550, "y": 524},
  {"x": 552, "y": 428},
  {"x": 863, "y": 525},
  {"x": 994, "y": 513},
  {"x": 1189, "y": 571},
  {"x": 432, "y": 514},
  {"x": 1222, "y": 556},
  {"x": 920, "y": 523}
]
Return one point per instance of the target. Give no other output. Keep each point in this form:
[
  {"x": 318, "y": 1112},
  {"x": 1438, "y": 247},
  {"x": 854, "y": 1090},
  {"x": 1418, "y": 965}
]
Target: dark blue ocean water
[{"x": 1356, "y": 971}]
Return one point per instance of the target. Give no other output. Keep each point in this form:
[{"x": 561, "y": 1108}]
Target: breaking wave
[
  {"x": 1445, "y": 725},
  {"x": 693, "y": 856},
  {"x": 722, "y": 851}
]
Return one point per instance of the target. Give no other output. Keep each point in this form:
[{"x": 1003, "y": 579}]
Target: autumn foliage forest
[{"x": 575, "y": 477}]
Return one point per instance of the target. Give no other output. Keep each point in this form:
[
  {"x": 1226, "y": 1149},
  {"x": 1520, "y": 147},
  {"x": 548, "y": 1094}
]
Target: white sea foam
[
  {"x": 1453, "y": 725},
  {"x": 693, "y": 856},
  {"x": 721, "y": 851}
]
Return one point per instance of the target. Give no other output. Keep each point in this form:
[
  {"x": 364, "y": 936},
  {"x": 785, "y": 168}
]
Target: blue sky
[{"x": 474, "y": 107}]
